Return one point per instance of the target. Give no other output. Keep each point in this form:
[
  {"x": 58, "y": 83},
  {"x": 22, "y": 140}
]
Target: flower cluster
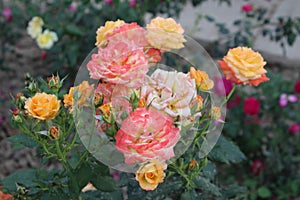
[
  {"x": 45, "y": 39},
  {"x": 143, "y": 111}
]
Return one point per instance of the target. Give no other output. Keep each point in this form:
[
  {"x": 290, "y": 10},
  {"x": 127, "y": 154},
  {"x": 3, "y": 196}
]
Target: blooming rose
[
  {"x": 149, "y": 175},
  {"x": 4, "y": 196},
  {"x": 165, "y": 34},
  {"x": 242, "y": 65},
  {"x": 146, "y": 135},
  {"x": 7, "y": 14},
  {"x": 295, "y": 128},
  {"x": 201, "y": 78},
  {"x": 256, "y": 167},
  {"x": 251, "y": 106},
  {"x": 46, "y": 39},
  {"x": 104, "y": 31},
  {"x": 297, "y": 87},
  {"x": 170, "y": 92},
  {"x": 119, "y": 63},
  {"x": 81, "y": 93},
  {"x": 247, "y": 8},
  {"x": 42, "y": 106},
  {"x": 129, "y": 32},
  {"x": 34, "y": 28}
]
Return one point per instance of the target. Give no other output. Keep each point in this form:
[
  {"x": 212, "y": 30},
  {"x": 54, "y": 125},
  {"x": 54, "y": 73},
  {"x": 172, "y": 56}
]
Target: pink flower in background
[
  {"x": 220, "y": 83},
  {"x": 7, "y": 14},
  {"x": 43, "y": 55},
  {"x": 251, "y": 106},
  {"x": 247, "y": 8},
  {"x": 295, "y": 128},
  {"x": 233, "y": 102},
  {"x": 72, "y": 8},
  {"x": 109, "y": 2},
  {"x": 2, "y": 120},
  {"x": 147, "y": 135},
  {"x": 284, "y": 99},
  {"x": 132, "y": 3},
  {"x": 170, "y": 92},
  {"x": 297, "y": 87},
  {"x": 256, "y": 167},
  {"x": 119, "y": 63}
]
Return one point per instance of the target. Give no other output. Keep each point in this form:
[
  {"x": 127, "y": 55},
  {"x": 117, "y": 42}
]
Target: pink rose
[
  {"x": 7, "y": 14},
  {"x": 221, "y": 83},
  {"x": 146, "y": 135},
  {"x": 251, "y": 106},
  {"x": 256, "y": 167},
  {"x": 132, "y": 3},
  {"x": 295, "y": 128},
  {"x": 284, "y": 99},
  {"x": 247, "y": 8},
  {"x": 119, "y": 63}
]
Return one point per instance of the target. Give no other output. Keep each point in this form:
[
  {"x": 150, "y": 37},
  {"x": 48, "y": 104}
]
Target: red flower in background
[
  {"x": 295, "y": 128},
  {"x": 7, "y": 14},
  {"x": 251, "y": 106},
  {"x": 256, "y": 167},
  {"x": 297, "y": 87},
  {"x": 233, "y": 102},
  {"x": 247, "y": 7}
]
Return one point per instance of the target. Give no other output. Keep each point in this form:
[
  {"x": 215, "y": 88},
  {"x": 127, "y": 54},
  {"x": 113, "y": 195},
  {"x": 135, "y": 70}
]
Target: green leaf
[
  {"x": 74, "y": 30},
  {"x": 191, "y": 194},
  {"x": 105, "y": 183},
  {"x": 264, "y": 192},
  {"x": 233, "y": 191},
  {"x": 23, "y": 177},
  {"x": 226, "y": 151},
  {"x": 291, "y": 38},
  {"x": 23, "y": 139},
  {"x": 204, "y": 184}
]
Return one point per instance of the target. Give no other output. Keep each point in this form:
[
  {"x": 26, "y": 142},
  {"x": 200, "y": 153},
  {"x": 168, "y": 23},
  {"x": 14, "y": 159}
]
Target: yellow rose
[
  {"x": 202, "y": 80},
  {"x": 82, "y": 91},
  {"x": 105, "y": 30},
  {"x": 150, "y": 175},
  {"x": 242, "y": 65},
  {"x": 47, "y": 39},
  {"x": 42, "y": 106},
  {"x": 165, "y": 34},
  {"x": 215, "y": 112},
  {"x": 34, "y": 28}
]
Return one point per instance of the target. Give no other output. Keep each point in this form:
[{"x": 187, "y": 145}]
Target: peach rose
[
  {"x": 150, "y": 174},
  {"x": 201, "y": 78},
  {"x": 165, "y": 34},
  {"x": 121, "y": 62},
  {"x": 42, "y": 106},
  {"x": 242, "y": 65},
  {"x": 104, "y": 31},
  {"x": 82, "y": 91},
  {"x": 146, "y": 135}
]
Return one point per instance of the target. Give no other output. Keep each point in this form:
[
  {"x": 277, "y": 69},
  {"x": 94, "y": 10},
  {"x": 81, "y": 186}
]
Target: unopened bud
[
  {"x": 17, "y": 118},
  {"x": 215, "y": 112},
  {"x": 54, "y": 82},
  {"x": 54, "y": 133},
  {"x": 105, "y": 111},
  {"x": 192, "y": 164}
]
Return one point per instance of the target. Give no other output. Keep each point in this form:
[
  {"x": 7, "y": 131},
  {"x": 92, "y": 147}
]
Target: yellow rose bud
[
  {"x": 192, "y": 164},
  {"x": 105, "y": 110},
  {"x": 54, "y": 133},
  {"x": 215, "y": 113},
  {"x": 201, "y": 78},
  {"x": 150, "y": 175},
  {"x": 42, "y": 106}
]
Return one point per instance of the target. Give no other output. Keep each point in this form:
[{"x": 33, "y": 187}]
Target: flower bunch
[
  {"x": 143, "y": 112},
  {"x": 45, "y": 39}
]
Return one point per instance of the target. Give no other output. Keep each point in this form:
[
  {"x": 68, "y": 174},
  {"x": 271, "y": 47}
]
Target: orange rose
[
  {"x": 242, "y": 65},
  {"x": 165, "y": 34},
  {"x": 42, "y": 106},
  {"x": 150, "y": 175},
  {"x": 202, "y": 80},
  {"x": 82, "y": 91},
  {"x": 105, "y": 30}
]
